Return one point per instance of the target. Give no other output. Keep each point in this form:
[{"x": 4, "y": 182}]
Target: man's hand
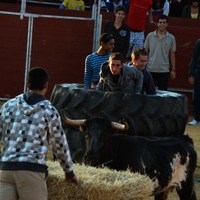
[
  {"x": 73, "y": 180},
  {"x": 191, "y": 80},
  {"x": 173, "y": 74}
]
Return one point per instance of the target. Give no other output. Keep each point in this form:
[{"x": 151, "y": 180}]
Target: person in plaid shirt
[{"x": 28, "y": 123}]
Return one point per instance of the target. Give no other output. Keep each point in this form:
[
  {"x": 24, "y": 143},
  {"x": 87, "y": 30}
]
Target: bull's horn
[
  {"x": 74, "y": 122},
  {"x": 119, "y": 126}
]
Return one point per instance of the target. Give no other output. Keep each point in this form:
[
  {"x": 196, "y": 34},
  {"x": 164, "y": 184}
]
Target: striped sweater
[{"x": 93, "y": 64}]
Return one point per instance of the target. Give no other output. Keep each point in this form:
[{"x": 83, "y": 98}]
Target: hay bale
[{"x": 98, "y": 184}]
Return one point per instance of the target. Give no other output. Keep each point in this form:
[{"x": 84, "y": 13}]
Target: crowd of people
[
  {"x": 123, "y": 46},
  {"x": 175, "y": 8}
]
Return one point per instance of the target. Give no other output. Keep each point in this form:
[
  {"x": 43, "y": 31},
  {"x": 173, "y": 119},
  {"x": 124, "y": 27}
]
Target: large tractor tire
[{"x": 162, "y": 114}]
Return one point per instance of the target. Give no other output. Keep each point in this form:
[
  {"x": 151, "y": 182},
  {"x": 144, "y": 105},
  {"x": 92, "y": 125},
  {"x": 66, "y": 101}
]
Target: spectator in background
[
  {"x": 192, "y": 10},
  {"x": 194, "y": 79},
  {"x": 94, "y": 61},
  {"x": 28, "y": 123},
  {"x": 137, "y": 15},
  {"x": 116, "y": 77},
  {"x": 161, "y": 47},
  {"x": 139, "y": 60},
  {"x": 111, "y": 5},
  {"x": 176, "y": 7},
  {"x": 160, "y": 7},
  {"x": 73, "y": 5},
  {"x": 120, "y": 31}
]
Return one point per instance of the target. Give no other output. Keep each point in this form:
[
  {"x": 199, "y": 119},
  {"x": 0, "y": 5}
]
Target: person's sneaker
[{"x": 194, "y": 123}]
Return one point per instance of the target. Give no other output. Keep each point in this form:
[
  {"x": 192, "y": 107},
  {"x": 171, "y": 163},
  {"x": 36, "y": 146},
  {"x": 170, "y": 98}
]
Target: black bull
[{"x": 170, "y": 162}]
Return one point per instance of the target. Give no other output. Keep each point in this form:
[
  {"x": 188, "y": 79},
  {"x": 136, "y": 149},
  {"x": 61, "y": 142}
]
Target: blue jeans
[
  {"x": 136, "y": 41},
  {"x": 196, "y": 100}
]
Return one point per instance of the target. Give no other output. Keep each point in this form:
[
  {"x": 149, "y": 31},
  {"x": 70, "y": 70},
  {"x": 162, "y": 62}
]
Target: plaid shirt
[{"x": 25, "y": 130}]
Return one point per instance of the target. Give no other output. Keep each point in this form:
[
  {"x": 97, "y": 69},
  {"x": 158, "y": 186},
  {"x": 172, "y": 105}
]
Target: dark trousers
[
  {"x": 161, "y": 80},
  {"x": 196, "y": 100}
]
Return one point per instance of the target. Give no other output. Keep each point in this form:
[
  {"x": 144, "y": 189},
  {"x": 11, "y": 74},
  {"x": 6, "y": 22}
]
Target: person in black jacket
[
  {"x": 194, "y": 79},
  {"x": 139, "y": 60},
  {"x": 120, "y": 31}
]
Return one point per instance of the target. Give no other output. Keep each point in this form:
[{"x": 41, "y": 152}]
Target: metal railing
[{"x": 95, "y": 16}]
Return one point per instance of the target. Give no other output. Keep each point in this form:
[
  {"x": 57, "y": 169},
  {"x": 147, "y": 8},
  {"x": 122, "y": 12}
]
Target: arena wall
[{"x": 61, "y": 45}]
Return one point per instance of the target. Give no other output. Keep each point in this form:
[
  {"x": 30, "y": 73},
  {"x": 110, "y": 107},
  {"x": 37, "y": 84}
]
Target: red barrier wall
[
  {"x": 61, "y": 45},
  {"x": 13, "y": 34}
]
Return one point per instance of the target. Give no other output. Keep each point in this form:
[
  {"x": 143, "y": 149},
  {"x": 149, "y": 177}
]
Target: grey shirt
[
  {"x": 159, "y": 51},
  {"x": 129, "y": 81}
]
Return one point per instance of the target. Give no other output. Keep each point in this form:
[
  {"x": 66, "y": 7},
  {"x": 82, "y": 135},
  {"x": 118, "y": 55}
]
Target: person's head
[
  {"x": 115, "y": 63},
  {"x": 162, "y": 22},
  {"x": 195, "y": 3},
  {"x": 139, "y": 58},
  {"x": 38, "y": 79},
  {"x": 107, "y": 42},
  {"x": 120, "y": 13}
]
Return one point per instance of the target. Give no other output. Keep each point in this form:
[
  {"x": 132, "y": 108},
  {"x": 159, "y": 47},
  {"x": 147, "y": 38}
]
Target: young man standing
[
  {"x": 94, "y": 61},
  {"x": 136, "y": 21},
  {"x": 120, "y": 31},
  {"x": 194, "y": 79},
  {"x": 161, "y": 47},
  {"x": 116, "y": 77},
  {"x": 27, "y": 123}
]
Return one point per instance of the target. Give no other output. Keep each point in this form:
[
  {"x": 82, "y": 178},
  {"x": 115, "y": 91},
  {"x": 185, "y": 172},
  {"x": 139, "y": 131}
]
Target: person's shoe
[{"x": 194, "y": 123}]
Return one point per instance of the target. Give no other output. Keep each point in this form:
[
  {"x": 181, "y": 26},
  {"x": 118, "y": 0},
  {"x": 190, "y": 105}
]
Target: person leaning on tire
[
  {"x": 116, "y": 77},
  {"x": 27, "y": 123},
  {"x": 194, "y": 79}
]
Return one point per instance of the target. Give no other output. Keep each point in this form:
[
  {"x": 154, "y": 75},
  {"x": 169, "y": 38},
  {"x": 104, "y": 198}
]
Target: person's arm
[
  {"x": 126, "y": 43},
  {"x": 139, "y": 81},
  {"x": 88, "y": 73},
  {"x": 150, "y": 16},
  {"x": 173, "y": 65},
  {"x": 100, "y": 85},
  {"x": 166, "y": 8},
  {"x": 146, "y": 44},
  {"x": 82, "y": 6},
  {"x": 1, "y": 128},
  {"x": 193, "y": 62},
  {"x": 63, "y": 5},
  {"x": 60, "y": 146},
  {"x": 195, "y": 57},
  {"x": 150, "y": 86},
  {"x": 173, "y": 59}
]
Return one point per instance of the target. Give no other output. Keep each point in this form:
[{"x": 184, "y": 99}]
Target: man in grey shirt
[
  {"x": 116, "y": 77},
  {"x": 161, "y": 47}
]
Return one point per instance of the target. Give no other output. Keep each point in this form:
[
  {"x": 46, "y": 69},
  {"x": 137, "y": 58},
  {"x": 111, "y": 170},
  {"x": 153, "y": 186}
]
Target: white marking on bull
[{"x": 179, "y": 171}]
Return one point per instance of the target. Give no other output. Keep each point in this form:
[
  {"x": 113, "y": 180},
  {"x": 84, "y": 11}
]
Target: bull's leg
[
  {"x": 187, "y": 191},
  {"x": 161, "y": 196}
]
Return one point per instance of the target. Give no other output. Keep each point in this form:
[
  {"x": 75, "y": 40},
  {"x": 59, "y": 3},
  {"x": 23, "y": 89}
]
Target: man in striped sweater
[
  {"x": 27, "y": 123},
  {"x": 94, "y": 61}
]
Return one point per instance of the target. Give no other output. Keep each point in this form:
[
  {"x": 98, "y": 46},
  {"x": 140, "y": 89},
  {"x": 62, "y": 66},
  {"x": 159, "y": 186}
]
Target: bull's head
[{"x": 96, "y": 130}]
